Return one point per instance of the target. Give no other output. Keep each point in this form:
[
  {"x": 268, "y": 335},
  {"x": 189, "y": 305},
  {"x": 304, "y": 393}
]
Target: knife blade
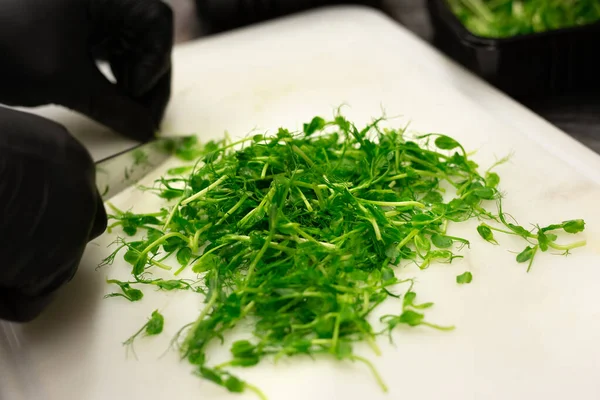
[{"x": 124, "y": 169}]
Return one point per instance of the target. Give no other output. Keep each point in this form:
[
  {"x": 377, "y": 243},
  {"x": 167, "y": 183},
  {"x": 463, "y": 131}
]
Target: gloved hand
[
  {"x": 48, "y": 51},
  {"x": 49, "y": 210},
  {"x": 49, "y": 205}
]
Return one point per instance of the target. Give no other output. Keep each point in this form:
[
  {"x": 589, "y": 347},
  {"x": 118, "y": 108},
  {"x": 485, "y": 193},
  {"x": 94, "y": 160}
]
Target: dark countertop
[{"x": 579, "y": 116}]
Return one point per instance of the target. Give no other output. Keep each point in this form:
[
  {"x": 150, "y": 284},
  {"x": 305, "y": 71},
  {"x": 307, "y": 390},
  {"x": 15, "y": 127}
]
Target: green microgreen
[
  {"x": 507, "y": 18},
  {"x": 154, "y": 326},
  {"x": 465, "y": 277}
]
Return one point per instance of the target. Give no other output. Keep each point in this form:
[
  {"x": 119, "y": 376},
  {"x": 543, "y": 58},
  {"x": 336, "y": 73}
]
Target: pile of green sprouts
[
  {"x": 298, "y": 234},
  {"x": 508, "y": 18}
]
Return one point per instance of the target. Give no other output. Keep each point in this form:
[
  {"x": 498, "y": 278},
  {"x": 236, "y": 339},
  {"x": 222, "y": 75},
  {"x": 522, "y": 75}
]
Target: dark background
[{"x": 579, "y": 116}]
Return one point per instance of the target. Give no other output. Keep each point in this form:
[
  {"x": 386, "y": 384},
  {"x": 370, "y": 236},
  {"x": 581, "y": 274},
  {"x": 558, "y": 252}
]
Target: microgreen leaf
[
  {"x": 411, "y": 318},
  {"x": 486, "y": 233},
  {"x": 543, "y": 240},
  {"x": 574, "y": 226},
  {"x": 316, "y": 124},
  {"x": 234, "y": 385},
  {"x": 409, "y": 302},
  {"x": 129, "y": 293},
  {"x": 441, "y": 241},
  {"x": 485, "y": 193},
  {"x": 155, "y": 325},
  {"x": 183, "y": 256},
  {"x": 492, "y": 179},
  {"x": 446, "y": 143},
  {"x": 465, "y": 277},
  {"x": 526, "y": 254},
  {"x": 140, "y": 265},
  {"x": 211, "y": 375},
  {"x": 519, "y": 230},
  {"x": 206, "y": 263},
  {"x": 171, "y": 284}
]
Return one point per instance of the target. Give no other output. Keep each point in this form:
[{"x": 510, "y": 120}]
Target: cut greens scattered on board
[{"x": 298, "y": 235}]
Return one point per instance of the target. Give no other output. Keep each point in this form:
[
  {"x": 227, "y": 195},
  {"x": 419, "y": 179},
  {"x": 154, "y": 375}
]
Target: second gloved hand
[{"x": 49, "y": 49}]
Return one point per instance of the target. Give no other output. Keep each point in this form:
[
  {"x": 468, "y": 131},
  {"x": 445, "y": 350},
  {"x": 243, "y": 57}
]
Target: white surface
[{"x": 518, "y": 336}]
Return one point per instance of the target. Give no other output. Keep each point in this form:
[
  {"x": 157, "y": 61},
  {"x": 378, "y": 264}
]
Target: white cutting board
[{"x": 518, "y": 335}]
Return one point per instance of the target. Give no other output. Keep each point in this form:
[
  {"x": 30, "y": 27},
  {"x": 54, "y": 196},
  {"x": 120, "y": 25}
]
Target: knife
[{"x": 124, "y": 169}]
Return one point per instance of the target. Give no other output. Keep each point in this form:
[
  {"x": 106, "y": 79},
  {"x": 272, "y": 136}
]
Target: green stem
[
  {"x": 305, "y": 200},
  {"x": 222, "y": 149},
  {"x": 204, "y": 313},
  {"x": 264, "y": 171},
  {"x": 196, "y": 238},
  {"x": 260, "y": 206},
  {"x": 163, "y": 239},
  {"x": 438, "y": 327},
  {"x": 301, "y": 295},
  {"x": 204, "y": 191},
  {"x": 233, "y": 209},
  {"x": 247, "y": 308},
  {"x": 314, "y": 321},
  {"x": 408, "y": 238},
  {"x": 373, "y": 345},
  {"x": 531, "y": 235},
  {"x": 396, "y": 177},
  {"x": 317, "y": 190},
  {"x": 346, "y": 235},
  {"x": 223, "y": 365},
  {"x": 171, "y": 214},
  {"x": 393, "y": 203},
  {"x": 254, "y": 263},
  {"x": 421, "y": 162},
  {"x": 535, "y": 249},
  {"x": 567, "y": 246},
  {"x": 256, "y": 390},
  {"x": 373, "y": 370},
  {"x": 308, "y": 237},
  {"x": 132, "y": 337},
  {"x": 376, "y": 229},
  {"x": 114, "y": 208},
  {"x": 160, "y": 265},
  {"x": 303, "y": 155}
]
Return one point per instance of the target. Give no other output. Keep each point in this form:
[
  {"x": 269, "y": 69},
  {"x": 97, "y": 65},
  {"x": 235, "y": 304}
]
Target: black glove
[
  {"x": 48, "y": 51},
  {"x": 49, "y": 210},
  {"x": 49, "y": 205}
]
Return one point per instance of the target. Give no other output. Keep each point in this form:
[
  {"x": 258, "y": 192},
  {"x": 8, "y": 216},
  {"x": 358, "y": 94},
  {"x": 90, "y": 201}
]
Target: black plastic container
[
  {"x": 222, "y": 15},
  {"x": 557, "y": 62}
]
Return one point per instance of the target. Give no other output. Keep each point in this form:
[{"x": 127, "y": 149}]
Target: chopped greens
[
  {"x": 298, "y": 235},
  {"x": 507, "y": 18}
]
